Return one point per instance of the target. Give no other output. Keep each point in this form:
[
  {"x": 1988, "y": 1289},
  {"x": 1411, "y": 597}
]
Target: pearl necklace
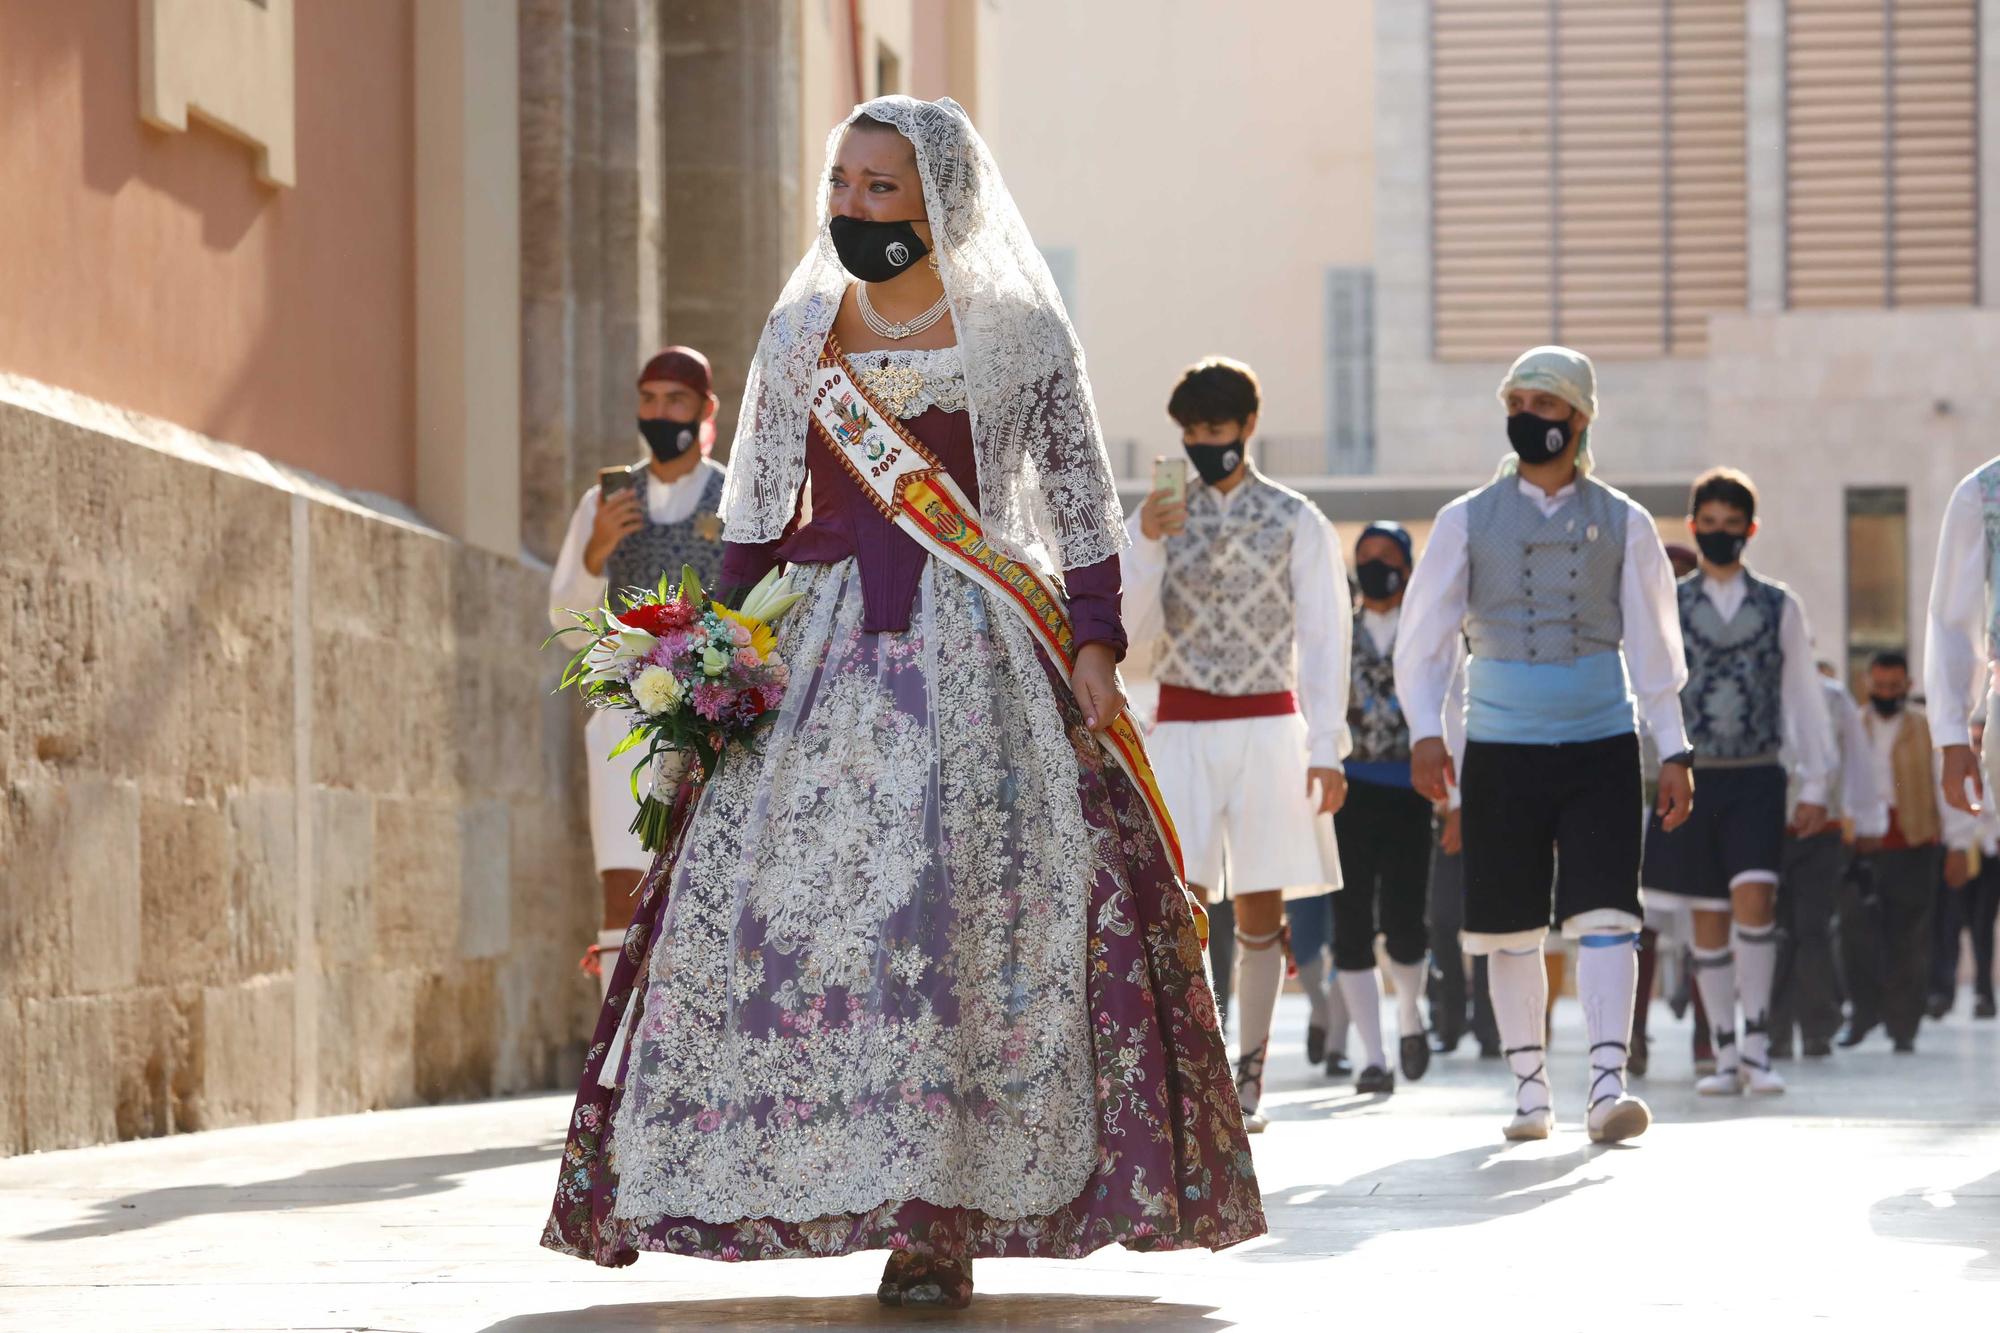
[{"x": 886, "y": 328}]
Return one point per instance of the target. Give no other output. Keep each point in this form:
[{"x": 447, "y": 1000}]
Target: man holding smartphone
[
  {"x": 1240, "y": 583},
  {"x": 638, "y": 523}
]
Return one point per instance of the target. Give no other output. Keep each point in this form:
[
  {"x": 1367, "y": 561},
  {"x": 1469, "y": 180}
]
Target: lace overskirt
[{"x": 920, "y": 979}]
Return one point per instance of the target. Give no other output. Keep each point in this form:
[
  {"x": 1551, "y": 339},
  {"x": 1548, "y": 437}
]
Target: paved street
[{"x": 1868, "y": 1198}]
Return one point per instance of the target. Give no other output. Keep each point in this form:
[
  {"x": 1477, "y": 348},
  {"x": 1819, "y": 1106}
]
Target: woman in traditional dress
[{"x": 923, "y": 976}]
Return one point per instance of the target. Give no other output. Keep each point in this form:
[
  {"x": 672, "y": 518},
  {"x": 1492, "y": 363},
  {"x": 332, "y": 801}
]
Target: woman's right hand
[{"x": 617, "y": 519}]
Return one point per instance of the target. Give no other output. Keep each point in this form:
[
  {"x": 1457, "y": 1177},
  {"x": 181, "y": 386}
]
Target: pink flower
[
  {"x": 739, "y": 634},
  {"x": 747, "y": 659},
  {"x": 708, "y": 1122}
]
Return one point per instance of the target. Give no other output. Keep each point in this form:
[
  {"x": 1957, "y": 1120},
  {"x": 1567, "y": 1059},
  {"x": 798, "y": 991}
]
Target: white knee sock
[
  {"x": 1409, "y": 979},
  {"x": 1607, "y": 979},
  {"x": 1363, "y": 993},
  {"x": 1519, "y": 986},
  {"x": 610, "y": 942},
  {"x": 1337, "y": 1018},
  {"x": 1756, "y": 964},
  {"x": 1715, "y": 976},
  {"x": 1312, "y": 980},
  {"x": 1260, "y": 972}
]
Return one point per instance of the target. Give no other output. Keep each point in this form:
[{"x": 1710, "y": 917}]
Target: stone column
[
  {"x": 1764, "y": 165},
  {"x": 591, "y": 244},
  {"x": 730, "y": 91},
  {"x": 468, "y": 272}
]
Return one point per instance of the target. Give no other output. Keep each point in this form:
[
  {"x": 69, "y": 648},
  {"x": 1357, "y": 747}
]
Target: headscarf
[
  {"x": 1045, "y": 484},
  {"x": 684, "y": 365},
  {"x": 1569, "y": 376},
  {"x": 1395, "y": 532}
]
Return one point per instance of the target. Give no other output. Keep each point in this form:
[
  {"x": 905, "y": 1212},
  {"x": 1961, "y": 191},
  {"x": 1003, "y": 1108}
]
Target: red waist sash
[{"x": 1178, "y": 703}]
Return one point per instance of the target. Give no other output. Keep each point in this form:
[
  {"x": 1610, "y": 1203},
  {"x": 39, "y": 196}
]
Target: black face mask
[
  {"x": 1721, "y": 548},
  {"x": 1215, "y": 462},
  {"x": 1379, "y": 579},
  {"x": 875, "y": 251},
  {"x": 1887, "y": 707},
  {"x": 669, "y": 439},
  {"x": 1538, "y": 439}
]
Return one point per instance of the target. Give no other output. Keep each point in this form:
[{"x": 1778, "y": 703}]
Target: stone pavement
[{"x": 1868, "y": 1198}]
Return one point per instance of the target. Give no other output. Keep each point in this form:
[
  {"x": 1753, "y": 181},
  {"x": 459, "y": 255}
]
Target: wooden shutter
[
  {"x": 1588, "y": 174},
  {"x": 1708, "y": 264},
  {"x": 1881, "y": 147},
  {"x": 1491, "y": 178},
  {"x": 1934, "y": 109}
]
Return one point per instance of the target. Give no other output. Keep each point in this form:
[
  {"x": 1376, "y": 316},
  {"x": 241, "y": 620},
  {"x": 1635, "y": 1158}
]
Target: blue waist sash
[{"x": 1548, "y": 703}]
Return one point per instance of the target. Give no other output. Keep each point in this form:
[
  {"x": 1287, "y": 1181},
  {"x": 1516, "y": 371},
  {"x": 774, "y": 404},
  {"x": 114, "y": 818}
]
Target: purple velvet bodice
[{"x": 845, "y": 523}]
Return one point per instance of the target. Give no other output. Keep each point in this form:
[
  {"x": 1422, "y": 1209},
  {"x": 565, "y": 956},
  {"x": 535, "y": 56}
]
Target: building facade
[
  {"x": 1768, "y": 221},
  {"x": 315, "y": 319}
]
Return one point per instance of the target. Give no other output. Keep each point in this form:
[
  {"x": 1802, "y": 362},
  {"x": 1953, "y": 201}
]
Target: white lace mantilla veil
[{"x": 1045, "y": 484}]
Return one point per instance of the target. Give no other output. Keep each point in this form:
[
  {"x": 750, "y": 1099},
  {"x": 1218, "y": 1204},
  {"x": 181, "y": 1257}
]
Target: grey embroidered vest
[
  {"x": 1544, "y": 589},
  {"x": 663, "y": 548},
  {"x": 1736, "y": 670},
  {"x": 1374, "y": 716},
  {"x": 1227, "y": 594}
]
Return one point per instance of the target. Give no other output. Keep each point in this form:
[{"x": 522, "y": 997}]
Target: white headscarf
[
  {"x": 1568, "y": 375},
  {"x": 1045, "y": 484}
]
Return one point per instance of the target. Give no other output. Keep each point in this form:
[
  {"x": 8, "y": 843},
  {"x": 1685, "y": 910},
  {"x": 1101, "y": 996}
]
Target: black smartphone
[{"x": 611, "y": 480}]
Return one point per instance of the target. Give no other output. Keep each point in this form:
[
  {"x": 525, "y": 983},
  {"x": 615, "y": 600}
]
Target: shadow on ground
[
  {"x": 1966, "y": 1216},
  {"x": 346, "y": 1185},
  {"x": 1026, "y": 1311},
  {"x": 1459, "y": 1189}
]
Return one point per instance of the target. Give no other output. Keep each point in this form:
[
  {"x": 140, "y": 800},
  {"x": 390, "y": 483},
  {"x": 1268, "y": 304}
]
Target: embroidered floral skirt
[{"x": 920, "y": 978}]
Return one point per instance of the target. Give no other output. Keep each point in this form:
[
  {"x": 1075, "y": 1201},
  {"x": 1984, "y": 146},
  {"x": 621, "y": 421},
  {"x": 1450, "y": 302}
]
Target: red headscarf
[{"x": 684, "y": 365}]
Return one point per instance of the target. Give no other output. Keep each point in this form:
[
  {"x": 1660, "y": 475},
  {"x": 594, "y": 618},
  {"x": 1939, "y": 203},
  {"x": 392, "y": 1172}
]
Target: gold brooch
[
  {"x": 708, "y": 527},
  {"x": 895, "y": 387}
]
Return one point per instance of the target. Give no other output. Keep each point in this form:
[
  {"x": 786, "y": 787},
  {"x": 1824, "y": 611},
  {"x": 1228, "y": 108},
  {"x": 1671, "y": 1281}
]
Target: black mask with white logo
[
  {"x": 1539, "y": 439},
  {"x": 1379, "y": 579},
  {"x": 669, "y": 439},
  {"x": 875, "y": 251},
  {"x": 1721, "y": 548},
  {"x": 1887, "y": 706},
  {"x": 1215, "y": 462}
]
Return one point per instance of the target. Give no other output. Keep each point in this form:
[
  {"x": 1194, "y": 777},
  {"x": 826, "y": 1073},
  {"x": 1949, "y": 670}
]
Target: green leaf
[
  {"x": 690, "y": 586},
  {"x": 639, "y": 733}
]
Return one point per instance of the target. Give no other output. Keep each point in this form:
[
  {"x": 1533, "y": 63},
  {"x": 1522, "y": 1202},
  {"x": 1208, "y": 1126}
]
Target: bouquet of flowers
[{"x": 697, "y": 677}]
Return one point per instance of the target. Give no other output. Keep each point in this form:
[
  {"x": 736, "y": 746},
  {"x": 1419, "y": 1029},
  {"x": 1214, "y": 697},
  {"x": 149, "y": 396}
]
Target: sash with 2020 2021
[{"x": 906, "y": 482}]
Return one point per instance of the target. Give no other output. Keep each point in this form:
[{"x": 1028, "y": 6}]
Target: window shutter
[
  {"x": 1588, "y": 174},
  {"x": 1881, "y": 142}
]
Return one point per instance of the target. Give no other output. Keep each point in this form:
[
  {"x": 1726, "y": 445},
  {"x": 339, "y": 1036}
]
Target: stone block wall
[{"x": 289, "y": 822}]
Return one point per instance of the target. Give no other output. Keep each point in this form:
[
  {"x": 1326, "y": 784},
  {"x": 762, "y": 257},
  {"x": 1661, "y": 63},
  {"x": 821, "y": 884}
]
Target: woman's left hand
[{"x": 1095, "y": 681}]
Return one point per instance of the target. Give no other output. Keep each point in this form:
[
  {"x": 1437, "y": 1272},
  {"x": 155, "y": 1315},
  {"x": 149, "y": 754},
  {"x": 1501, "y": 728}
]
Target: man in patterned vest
[
  {"x": 1384, "y": 829},
  {"x": 668, "y": 517},
  {"x": 1241, "y": 587},
  {"x": 1561, "y": 589},
  {"x": 1752, "y": 691}
]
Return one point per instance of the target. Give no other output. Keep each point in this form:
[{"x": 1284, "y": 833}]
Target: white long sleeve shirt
[
  {"x": 1955, "y": 667},
  {"x": 1956, "y": 828},
  {"x": 1430, "y": 639},
  {"x": 1862, "y": 798},
  {"x": 1808, "y": 739},
  {"x": 571, "y": 586},
  {"x": 1323, "y": 623}
]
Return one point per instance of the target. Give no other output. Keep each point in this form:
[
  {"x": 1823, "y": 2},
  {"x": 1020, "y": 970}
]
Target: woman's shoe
[{"x": 920, "y": 1280}]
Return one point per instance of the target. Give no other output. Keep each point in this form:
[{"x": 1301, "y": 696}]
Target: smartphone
[
  {"x": 1170, "y": 475},
  {"x": 611, "y": 480}
]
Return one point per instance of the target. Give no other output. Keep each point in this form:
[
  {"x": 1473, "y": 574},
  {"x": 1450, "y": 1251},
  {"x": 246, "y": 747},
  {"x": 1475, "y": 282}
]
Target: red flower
[{"x": 657, "y": 618}]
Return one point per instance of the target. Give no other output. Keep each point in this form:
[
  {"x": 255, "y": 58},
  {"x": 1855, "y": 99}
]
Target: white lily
[
  {"x": 612, "y": 655},
  {"x": 771, "y": 598}
]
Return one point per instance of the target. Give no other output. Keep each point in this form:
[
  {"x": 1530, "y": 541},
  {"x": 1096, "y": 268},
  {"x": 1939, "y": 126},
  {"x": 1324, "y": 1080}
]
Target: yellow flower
[{"x": 762, "y": 637}]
